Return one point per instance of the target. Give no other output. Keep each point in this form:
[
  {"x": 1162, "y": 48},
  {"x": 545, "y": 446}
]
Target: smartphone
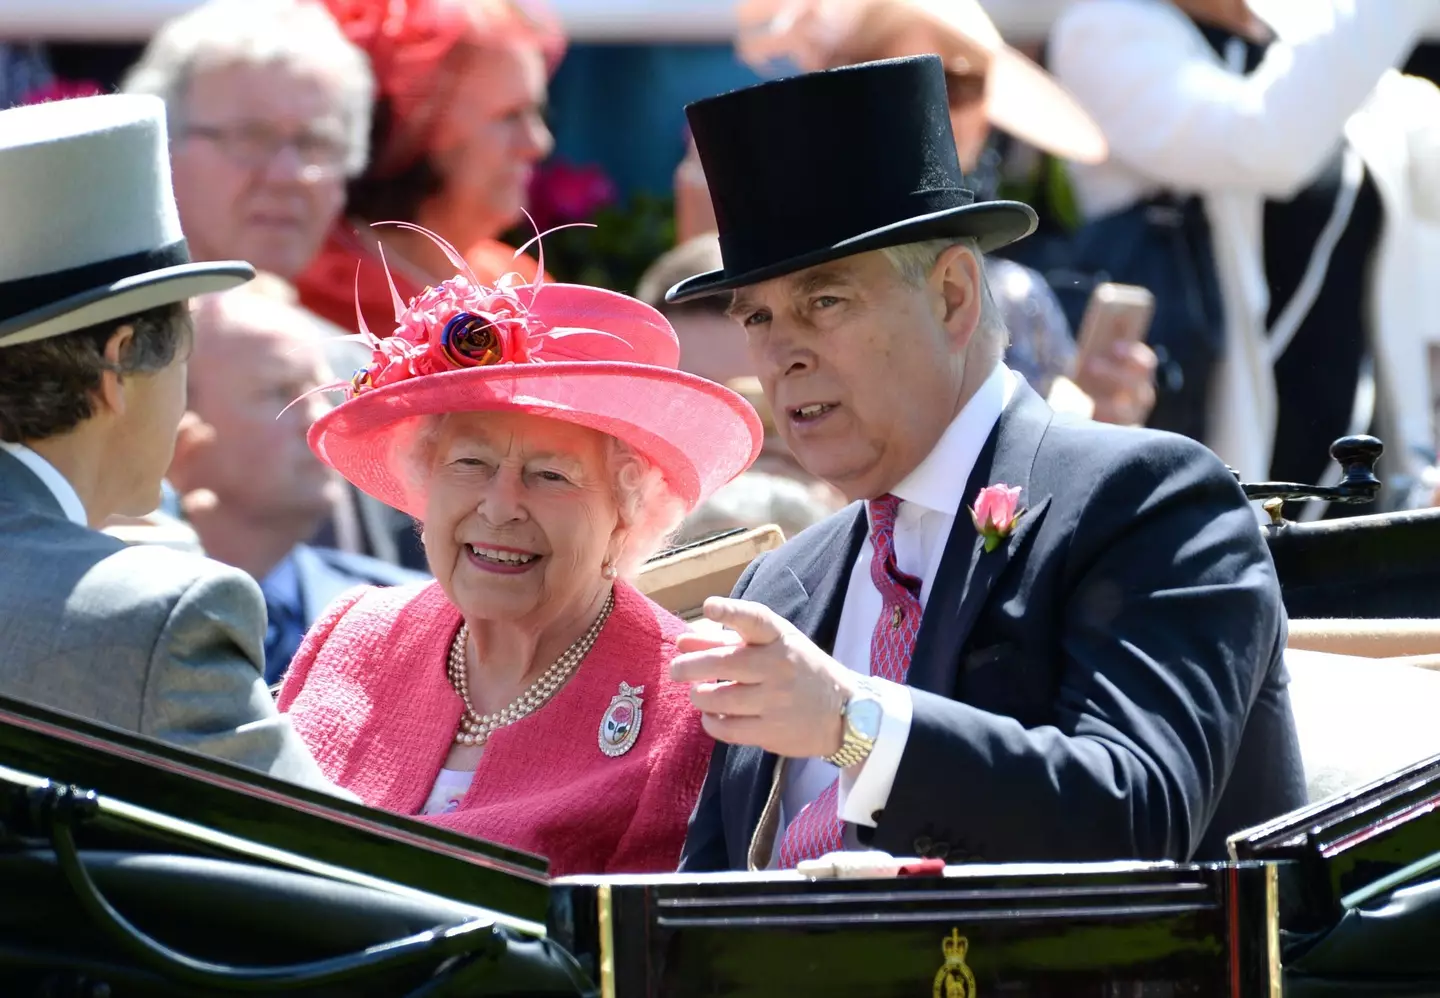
[{"x": 1116, "y": 313}]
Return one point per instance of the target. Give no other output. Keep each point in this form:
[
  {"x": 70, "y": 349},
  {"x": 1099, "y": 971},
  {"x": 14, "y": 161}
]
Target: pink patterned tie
[{"x": 817, "y": 829}]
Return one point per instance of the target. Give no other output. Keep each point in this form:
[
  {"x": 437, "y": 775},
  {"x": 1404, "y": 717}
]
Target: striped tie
[{"x": 817, "y": 829}]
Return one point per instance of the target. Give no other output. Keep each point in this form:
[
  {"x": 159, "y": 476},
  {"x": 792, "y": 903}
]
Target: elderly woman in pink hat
[{"x": 547, "y": 444}]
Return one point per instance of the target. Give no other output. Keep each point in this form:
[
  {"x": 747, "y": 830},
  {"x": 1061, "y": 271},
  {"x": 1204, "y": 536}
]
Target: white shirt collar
[
  {"x": 938, "y": 481},
  {"x": 51, "y": 478}
]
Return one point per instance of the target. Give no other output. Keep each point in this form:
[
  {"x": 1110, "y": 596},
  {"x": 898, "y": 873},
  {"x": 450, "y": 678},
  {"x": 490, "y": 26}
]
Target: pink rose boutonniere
[{"x": 995, "y": 513}]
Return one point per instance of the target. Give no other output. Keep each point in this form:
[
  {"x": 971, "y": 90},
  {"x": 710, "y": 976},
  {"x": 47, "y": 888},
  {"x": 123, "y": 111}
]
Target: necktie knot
[
  {"x": 882, "y": 518},
  {"x": 885, "y": 573}
]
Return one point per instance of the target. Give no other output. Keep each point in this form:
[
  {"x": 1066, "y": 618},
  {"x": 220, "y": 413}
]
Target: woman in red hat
[
  {"x": 457, "y": 131},
  {"x": 546, "y": 443}
]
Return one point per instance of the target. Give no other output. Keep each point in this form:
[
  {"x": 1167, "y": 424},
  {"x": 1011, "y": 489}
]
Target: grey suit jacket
[{"x": 141, "y": 637}]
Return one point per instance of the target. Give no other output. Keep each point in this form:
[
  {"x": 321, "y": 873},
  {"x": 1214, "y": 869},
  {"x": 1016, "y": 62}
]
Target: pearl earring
[{"x": 607, "y": 571}]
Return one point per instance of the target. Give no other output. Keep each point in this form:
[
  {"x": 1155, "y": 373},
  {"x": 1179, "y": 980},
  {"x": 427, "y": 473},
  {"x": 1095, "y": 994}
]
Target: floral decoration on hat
[
  {"x": 578, "y": 354},
  {"x": 459, "y": 323}
]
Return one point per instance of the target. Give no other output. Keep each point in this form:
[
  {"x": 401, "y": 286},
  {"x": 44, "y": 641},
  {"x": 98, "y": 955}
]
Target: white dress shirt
[
  {"x": 930, "y": 500},
  {"x": 50, "y": 476}
]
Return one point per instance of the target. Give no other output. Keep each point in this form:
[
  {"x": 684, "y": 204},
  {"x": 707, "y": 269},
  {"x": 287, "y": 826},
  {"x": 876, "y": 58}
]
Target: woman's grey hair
[
  {"x": 649, "y": 510},
  {"x": 291, "y": 33},
  {"x": 915, "y": 261}
]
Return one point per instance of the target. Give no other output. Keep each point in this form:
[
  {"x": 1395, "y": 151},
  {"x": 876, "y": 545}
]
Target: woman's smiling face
[{"x": 521, "y": 517}]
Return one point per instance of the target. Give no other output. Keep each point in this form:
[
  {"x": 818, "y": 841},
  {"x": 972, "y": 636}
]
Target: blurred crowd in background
[{"x": 1273, "y": 180}]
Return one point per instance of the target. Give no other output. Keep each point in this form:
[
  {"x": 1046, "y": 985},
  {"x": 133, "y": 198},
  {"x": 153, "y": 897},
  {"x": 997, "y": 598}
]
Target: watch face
[{"x": 864, "y": 718}]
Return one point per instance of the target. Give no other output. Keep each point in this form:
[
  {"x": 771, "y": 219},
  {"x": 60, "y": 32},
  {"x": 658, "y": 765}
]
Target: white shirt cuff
[{"x": 865, "y": 788}]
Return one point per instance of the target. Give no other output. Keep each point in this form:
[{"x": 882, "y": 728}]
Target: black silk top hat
[
  {"x": 89, "y": 231},
  {"x": 831, "y": 164}
]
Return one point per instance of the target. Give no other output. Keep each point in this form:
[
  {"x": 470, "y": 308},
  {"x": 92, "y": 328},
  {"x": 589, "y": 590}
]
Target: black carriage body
[
  {"x": 1381, "y": 565},
  {"x": 1095, "y": 931},
  {"x": 237, "y": 874}
]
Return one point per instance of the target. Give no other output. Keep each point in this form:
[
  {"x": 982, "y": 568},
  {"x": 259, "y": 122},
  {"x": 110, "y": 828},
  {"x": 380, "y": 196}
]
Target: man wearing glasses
[
  {"x": 269, "y": 114},
  {"x": 269, "y": 109}
]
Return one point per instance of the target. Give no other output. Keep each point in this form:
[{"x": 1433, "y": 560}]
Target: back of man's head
[
  {"x": 694, "y": 256},
  {"x": 50, "y": 387}
]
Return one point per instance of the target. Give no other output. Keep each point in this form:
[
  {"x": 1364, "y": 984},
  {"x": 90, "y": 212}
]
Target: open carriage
[{"x": 129, "y": 867}]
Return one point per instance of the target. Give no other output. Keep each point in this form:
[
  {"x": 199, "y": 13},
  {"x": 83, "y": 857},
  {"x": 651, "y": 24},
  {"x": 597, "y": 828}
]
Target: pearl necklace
[{"x": 476, "y": 729}]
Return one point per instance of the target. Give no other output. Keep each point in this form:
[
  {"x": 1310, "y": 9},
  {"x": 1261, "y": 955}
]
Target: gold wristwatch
[{"x": 860, "y": 724}]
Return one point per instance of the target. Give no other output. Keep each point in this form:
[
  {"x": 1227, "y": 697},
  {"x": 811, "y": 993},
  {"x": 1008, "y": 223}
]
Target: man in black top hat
[{"x": 1028, "y": 638}]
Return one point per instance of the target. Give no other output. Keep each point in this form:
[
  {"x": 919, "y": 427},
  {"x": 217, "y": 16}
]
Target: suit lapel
[
  {"x": 967, "y": 572},
  {"x": 814, "y": 602}
]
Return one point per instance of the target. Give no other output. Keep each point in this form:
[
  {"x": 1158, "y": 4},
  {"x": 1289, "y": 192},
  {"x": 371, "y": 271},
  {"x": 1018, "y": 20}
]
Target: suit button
[
  {"x": 923, "y": 846},
  {"x": 940, "y": 850}
]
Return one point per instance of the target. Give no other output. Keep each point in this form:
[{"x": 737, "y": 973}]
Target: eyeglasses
[
  {"x": 964, "y": 89},
  {"x": 255, "y": 146}
]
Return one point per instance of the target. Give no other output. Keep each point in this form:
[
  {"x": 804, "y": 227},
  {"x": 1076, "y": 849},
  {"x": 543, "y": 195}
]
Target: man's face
[
  {"x": 863, "y": 370},
  {"x": 254, "y": 357},
  {"x": 492, "y": 134},
  {"x": 259, "y": 165}
]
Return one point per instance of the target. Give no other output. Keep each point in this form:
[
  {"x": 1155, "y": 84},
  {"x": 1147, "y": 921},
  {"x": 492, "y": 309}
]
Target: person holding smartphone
[{"x": 1316, "y": 164}]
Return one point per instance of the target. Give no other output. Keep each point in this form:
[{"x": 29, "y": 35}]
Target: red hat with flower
[{"x": 579, "y": 354}]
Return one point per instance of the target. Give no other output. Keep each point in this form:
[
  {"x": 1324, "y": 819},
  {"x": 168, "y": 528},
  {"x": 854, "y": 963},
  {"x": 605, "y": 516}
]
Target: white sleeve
[
  {"x": 1420, "y": 100},
  {"x": 865, "y": 788},
  {"x": 1174, "y": 114}
]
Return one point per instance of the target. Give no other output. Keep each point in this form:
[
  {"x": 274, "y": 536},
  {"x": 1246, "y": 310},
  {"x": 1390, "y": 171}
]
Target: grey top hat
[{"x": 88, "y": 226}]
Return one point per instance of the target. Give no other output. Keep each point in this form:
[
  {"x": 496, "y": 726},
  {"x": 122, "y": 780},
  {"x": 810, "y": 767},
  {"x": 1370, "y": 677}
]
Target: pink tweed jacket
[{"x": 369, "y": 694}]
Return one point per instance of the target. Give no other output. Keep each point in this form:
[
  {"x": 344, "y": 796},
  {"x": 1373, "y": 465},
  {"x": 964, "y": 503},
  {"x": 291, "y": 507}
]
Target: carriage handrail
[{"x": 1356, "y": 456}]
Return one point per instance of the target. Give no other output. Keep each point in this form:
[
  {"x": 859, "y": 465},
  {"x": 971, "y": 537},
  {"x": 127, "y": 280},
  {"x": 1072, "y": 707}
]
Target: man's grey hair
[
  {"x": 915, "y": 261},
  {"x": 290, "y": 33}
]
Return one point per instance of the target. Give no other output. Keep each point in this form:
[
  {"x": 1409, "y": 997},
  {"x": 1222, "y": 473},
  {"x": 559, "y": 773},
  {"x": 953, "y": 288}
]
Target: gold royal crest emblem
[{"x": 954, "y": 980}]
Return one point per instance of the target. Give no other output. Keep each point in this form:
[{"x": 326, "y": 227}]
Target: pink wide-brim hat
[{"x": 576, "y": 354}]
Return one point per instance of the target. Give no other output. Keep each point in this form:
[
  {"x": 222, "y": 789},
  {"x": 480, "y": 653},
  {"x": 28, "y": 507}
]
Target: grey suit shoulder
[{"x": 145, "y": 638}]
